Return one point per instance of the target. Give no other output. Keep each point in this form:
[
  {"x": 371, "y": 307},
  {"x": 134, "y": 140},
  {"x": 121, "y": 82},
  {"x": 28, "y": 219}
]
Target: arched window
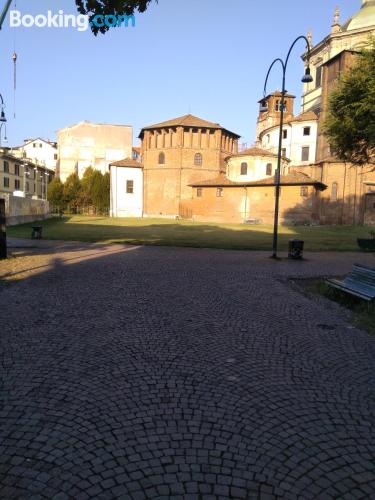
[
  {"x": 269, "y": 169},
  {"x": 161, "y": 159},
  {"x": 198, "y": 160},
  {"x": 244, "y": 168},
  {"x": 334, "y": 191}
]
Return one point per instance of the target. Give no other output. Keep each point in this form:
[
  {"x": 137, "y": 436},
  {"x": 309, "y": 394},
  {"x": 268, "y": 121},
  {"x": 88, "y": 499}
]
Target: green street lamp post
[{"x": 307, "y": 78}]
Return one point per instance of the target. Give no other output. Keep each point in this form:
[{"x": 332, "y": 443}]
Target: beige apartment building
[
  {"x": 23, "y": 178},
  {"x": 95, "y": 145}
]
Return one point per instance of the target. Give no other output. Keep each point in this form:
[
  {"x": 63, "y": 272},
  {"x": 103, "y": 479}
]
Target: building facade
[
  {"x": 349, "y": 198},
  {"x": 23, "y": 178},
  {"x": 176, "y": 153},
  {"x": 93, "y": 145},
  {"x": 299, "y": 136},
  {"x": 126, "y": 188},
  {"x": 246, "y": 193},
  {"x": 38, "y": 151}
]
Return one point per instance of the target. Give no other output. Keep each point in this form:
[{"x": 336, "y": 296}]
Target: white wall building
[
  {"x": 299, "y": 138},
  {"x": 253, "y": 164},
  {"x": 39, "y": 151},
  {"x": 126, "y": 188},
  {"x": 93, "y": 145}
]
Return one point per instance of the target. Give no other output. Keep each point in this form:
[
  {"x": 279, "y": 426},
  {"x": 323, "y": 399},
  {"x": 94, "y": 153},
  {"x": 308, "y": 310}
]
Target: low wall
[{"x": 19, "y": 210}]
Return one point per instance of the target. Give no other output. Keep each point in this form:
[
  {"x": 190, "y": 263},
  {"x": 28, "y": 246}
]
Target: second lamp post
[{"x": 307, "y": 78}]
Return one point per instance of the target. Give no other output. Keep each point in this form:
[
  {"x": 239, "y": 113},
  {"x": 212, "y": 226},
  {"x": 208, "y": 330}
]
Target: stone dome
[{"x": 364, "y": 18}]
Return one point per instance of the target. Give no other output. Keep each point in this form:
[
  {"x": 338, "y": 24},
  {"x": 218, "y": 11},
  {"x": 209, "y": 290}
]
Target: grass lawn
[{"x": 192, "y": 234}]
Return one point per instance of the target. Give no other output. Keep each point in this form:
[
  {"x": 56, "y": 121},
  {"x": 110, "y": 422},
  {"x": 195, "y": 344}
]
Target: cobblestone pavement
[{"x": 181, "y": 373}]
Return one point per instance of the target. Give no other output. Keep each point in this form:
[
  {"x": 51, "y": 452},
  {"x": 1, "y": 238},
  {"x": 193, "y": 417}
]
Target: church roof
[
  {"x": 303, "y": 117},
  {"x": 127, "y": 162},
  {"x": 255, "y": 152},
  {"x": 277, "y": 93},
  {"x": 364, "y": 18},
  {"x": 187, "y": 121},
  {"x": 292, "y": 179}
]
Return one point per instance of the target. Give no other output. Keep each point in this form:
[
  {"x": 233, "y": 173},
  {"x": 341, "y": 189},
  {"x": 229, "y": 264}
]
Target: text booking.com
[{"x": 62, "y": 20}]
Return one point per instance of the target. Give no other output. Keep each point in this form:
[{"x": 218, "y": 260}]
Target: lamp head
[
  {"x": 2, "y": 116},
  {"x": 307, "y": 78}
]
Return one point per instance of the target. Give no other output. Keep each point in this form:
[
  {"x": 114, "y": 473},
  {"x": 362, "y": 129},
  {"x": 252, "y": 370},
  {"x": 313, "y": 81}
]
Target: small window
[
  {"x": 198, "y": 160},
  {"x": 27, "y": 187},
  {"x": 318, "y": 77},
  {"x": 16, "y": 169},
  {"x": 40, "y": 145},
  {"x": 161, "y": 159},
  {"x": 17, "y": 184},
  {"x": 6, "y": 167},
  {"x": 278, "y": 106},
  {"x": 306, "y": 130},
  {"x": 219, "y": 192},
  {"x": 304, "y": 191},
  {"x": 6, "y": 182},
  {"x": 243, "y": 168},
  {"x": 55, "y": 156},
  {"x": 268, "y": 138},
  {"x": 285, "y": 133},
  {"x": 305, "y": 153},
  {"x": 129, "y": 187},
  {"x": 199, "y": 192},
  {"x": 283, "y": 152},
  {"x": 334, "y": 191},
  {"x": 269, "y": 169},
  {"x": 34, "y": 145}
]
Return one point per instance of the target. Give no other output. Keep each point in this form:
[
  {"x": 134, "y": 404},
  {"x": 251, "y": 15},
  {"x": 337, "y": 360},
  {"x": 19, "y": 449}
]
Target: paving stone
[{"x": 116, "y": 379}]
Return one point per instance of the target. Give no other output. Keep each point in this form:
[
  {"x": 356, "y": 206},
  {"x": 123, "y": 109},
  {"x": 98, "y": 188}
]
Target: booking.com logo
[{"x": 62, "y": 20}]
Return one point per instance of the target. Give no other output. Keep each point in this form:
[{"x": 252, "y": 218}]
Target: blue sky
[{"x": 207, "y": 57}]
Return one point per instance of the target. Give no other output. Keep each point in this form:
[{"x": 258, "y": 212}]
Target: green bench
[{"x": 360, "y": 282}]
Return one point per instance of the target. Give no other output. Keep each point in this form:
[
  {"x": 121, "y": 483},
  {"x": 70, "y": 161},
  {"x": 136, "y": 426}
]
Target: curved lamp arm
[
  {"x": 302, "y": 37},
  {"x": 269, "y": 71}
]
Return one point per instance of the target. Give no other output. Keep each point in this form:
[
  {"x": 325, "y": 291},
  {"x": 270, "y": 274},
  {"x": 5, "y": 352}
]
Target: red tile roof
[
  {"x": 127, "y": 162},
  {"x": 187, "y": 121}
]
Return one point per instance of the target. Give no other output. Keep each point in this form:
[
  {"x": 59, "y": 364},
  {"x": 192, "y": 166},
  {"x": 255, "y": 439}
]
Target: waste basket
[{"x": 295, "y": 249}]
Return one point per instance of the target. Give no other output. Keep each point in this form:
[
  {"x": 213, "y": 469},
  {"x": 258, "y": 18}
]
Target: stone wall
[
  {"x": 238, "y": 204},
  {"x": 19, "y": 210}
]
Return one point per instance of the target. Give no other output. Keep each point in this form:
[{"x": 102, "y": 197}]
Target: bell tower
[{"x": 269, "y": 111}]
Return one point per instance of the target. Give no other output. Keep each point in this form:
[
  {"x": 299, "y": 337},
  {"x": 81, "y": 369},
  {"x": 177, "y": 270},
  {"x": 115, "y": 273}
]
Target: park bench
[
  {"x": 36, "y": 233},
  {"x": 360, "y": 282}
]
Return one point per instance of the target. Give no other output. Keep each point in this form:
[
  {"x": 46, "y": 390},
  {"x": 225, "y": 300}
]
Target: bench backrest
[{"x": 363, "y": 274}]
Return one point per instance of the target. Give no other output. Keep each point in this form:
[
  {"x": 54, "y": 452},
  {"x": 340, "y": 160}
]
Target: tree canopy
[
  {"x": 56, "y": 194},
  {"x": 89, "y": 194},
  {"x": 350, "y": 124},
  {"x": 110, "y": 7}
]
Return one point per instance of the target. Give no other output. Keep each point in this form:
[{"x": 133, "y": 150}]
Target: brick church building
[{"x": 192, "y": 168}]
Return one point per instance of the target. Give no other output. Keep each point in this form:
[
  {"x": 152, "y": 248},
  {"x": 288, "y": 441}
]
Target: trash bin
[
  {"x": 36, "y": 233},
  {"x": 295, "y": 249}
]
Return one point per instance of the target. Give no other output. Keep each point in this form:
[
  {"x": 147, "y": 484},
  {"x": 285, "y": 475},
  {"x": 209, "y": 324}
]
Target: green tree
[
  {"x": 100, "y": 192},
  {"x": 56, "y": 194},
  {"x": 87, "y": 183},
  {"x": 72, "y": 191},
  {"x": 110, "y": 7},
  {"x": 350, "y": 124},
  {"x": 106, "y": 192}
]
